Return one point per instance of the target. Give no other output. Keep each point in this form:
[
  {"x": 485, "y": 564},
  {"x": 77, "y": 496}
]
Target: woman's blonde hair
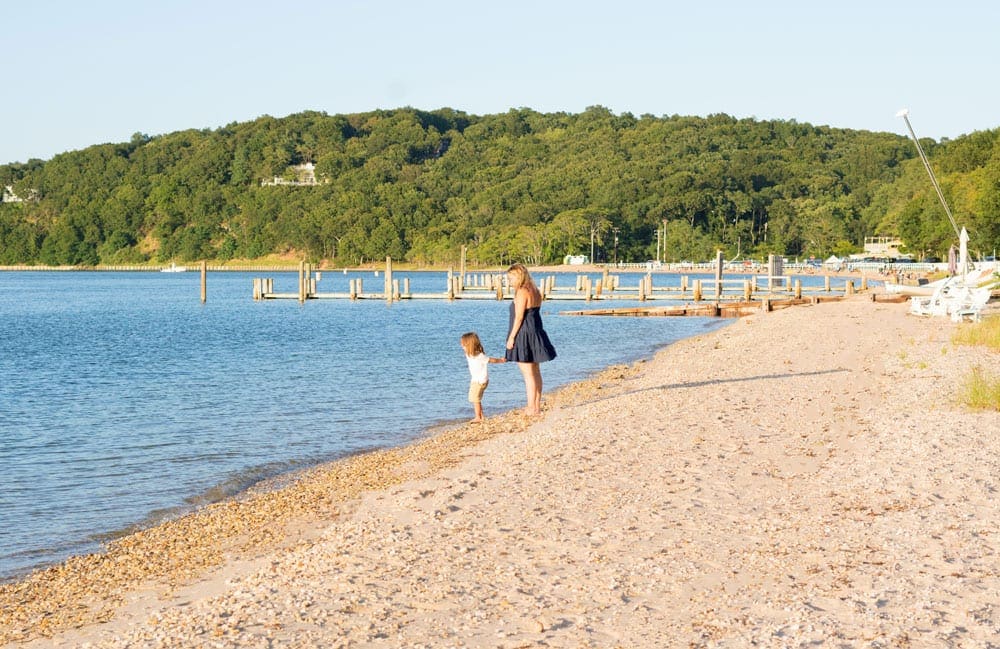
[
  {"x": 471, "y": 344},
  {"x": 521, "y": 276}
]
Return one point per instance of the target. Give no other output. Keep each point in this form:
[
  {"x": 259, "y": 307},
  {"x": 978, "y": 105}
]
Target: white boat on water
[{"x": 173, "y": 268}]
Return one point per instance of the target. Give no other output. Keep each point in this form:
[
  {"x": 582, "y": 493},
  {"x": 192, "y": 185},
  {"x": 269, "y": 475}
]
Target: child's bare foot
[{"x": 477, "y": 420}]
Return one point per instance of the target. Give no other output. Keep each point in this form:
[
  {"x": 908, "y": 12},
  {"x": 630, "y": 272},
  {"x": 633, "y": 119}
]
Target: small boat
[
  {"x": 922, "y": 290},
  {"x": 173, "y": 268}
]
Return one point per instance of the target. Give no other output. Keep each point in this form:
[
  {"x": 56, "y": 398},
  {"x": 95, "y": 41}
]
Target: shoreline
[
  {"x": 266, "y": 515},
  {"x": 290, "y": 267},
  {"x": 276, "y": 482},
  {"x": 795, "y": 475}
]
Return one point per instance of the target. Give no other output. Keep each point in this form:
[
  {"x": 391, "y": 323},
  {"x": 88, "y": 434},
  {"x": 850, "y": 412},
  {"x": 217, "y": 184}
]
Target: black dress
[{"x": 531, "y": 344}]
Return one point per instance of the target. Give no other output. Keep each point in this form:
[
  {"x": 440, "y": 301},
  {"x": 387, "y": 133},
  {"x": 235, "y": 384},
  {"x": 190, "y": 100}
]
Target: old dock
[{"x": 716, "y": 295}]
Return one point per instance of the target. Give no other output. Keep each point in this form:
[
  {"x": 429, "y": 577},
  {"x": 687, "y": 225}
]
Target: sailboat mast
[{"x": 930, "y": 172}]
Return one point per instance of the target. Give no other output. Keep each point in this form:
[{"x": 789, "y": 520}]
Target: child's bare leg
[{"x": 478, "y": 408}]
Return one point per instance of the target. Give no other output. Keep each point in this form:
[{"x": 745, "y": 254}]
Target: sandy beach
[{"x": 801, "y": 477}]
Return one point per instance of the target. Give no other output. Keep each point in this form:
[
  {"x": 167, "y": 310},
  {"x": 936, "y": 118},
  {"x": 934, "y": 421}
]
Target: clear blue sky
[{"x": 80, "y": 73}]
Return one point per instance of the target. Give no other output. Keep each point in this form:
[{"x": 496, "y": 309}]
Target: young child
[{"x": 478, "y": 369}]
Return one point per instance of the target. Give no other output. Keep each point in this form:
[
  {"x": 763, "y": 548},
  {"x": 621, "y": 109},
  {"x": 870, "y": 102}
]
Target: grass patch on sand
[
  {"x": 985, "y": 333},
  {"x": 981, "y": 390}
]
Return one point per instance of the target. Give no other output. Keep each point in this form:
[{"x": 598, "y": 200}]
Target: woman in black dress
[{"x": 527, "y": 343}]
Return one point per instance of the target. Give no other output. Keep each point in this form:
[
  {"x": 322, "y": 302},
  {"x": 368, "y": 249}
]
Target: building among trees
[{"x": 304, "y": 175}]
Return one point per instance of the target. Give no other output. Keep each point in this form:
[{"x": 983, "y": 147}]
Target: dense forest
[{"x": 519, "y": 186}]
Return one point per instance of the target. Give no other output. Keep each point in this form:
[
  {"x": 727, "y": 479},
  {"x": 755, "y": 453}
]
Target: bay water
[{"x": 125, "y": 400}]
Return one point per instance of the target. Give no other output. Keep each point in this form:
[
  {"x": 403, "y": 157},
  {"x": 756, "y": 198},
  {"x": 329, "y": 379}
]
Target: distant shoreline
[{"x": 410, "y": 268}]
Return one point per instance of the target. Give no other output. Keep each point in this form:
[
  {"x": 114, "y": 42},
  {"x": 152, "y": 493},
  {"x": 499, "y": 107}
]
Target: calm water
[{"x": 123, "y": 399}]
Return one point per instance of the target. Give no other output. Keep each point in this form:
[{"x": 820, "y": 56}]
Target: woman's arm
[{"x": 520, "y": 304}]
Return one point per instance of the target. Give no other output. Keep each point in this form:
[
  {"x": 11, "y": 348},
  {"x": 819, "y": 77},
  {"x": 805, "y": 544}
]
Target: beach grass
[
  {"x": 981, "y": 390},
  {"x": 985, "y": 333}
]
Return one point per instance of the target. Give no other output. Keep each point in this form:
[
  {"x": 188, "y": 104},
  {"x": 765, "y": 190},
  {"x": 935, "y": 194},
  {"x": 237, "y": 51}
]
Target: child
[{"x": 478, "y": 369}]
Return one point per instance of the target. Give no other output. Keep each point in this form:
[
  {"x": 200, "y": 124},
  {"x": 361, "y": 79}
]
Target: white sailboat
[
  {"x": 961, "y": 295},
  {"x": 173, "y": 268}
]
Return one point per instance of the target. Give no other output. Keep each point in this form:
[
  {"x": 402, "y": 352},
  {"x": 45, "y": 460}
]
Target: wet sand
[{"x": 799, "y": 477}]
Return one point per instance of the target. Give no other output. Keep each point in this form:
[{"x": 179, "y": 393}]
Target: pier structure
[{"x": 463, "y": 285}]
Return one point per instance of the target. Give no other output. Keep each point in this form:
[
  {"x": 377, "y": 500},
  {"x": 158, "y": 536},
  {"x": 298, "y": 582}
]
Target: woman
[{"x": 527, "y": 343}]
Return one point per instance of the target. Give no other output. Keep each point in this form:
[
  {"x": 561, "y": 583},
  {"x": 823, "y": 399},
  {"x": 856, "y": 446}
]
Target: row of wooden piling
[
  {"x": 587, "y": 288},
  {"x": 708, "y": 309}
]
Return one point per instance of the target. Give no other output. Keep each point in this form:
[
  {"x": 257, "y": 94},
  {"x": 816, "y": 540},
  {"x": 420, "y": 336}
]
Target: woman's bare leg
[
  {"x": 532, "y": 387},
  {"x": 536, "y": 372}
]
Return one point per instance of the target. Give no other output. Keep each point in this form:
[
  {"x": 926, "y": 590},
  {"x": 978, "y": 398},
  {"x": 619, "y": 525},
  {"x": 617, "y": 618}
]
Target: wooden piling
[
  {"x": 826, "y": 283},
  {"x": 302, "y": 282},
  {"x": 204, "y": 281},
  {"x": 387, "y": 288},
  {"x": 461, "y": 271},
  {"x": 718, "y": 274},
  {"x": 798, "y": 289},
  {"x": 849, "y": 288},
  {"x": 697, "y": 290},
  {"x": 747, "y": 290},
  {"x": 406, "y": 286}
]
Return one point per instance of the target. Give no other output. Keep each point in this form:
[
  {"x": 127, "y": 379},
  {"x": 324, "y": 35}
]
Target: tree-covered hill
[{"x": 521, "y": 185}]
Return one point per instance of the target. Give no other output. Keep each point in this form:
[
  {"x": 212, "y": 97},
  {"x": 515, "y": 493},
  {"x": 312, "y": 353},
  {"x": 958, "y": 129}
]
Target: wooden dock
[
  {"x": 735, "y": 294},
  {"x": 712, "y": 309},
  {"x": 722, "y": 309}
]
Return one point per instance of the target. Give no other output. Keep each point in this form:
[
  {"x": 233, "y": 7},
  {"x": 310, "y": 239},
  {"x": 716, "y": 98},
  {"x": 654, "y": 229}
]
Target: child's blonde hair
[{"x": 471, "y": 344}]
